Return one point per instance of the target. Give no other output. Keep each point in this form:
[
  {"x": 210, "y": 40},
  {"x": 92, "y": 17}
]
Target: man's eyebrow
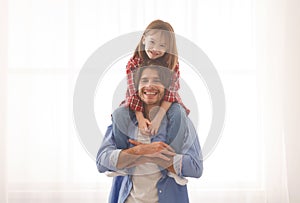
[{"x": 147, "y": 77}]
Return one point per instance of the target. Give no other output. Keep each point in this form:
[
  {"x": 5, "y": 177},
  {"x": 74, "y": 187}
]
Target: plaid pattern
[{"x": 132, "y": 99}]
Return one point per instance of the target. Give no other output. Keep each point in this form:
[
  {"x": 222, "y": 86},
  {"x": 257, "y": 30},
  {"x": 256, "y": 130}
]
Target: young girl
[{"x": 157, "y": 43}]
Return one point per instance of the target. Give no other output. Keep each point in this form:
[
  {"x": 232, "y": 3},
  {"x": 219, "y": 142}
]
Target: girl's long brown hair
[{"x": 171, "y": 55}]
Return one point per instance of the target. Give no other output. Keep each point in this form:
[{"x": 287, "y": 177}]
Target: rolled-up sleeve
[
  {"x": 191, "y": 161},
  {"x": 108, "y": 154},
  {"x": 177, "y": 163}
]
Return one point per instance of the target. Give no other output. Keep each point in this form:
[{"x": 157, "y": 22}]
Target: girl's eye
[
  {"x": 144, "y": 80},
  {"x": 156, "y": 81},
  {"x": 152, "y": 42}
]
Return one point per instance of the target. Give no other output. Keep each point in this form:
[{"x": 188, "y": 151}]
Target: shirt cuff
[
  {"x": 179, "y": 180},
  {"x": 115, "y": 173},
  {"x": 113, "y": 159},
  {"x": 177, "y": 163}
]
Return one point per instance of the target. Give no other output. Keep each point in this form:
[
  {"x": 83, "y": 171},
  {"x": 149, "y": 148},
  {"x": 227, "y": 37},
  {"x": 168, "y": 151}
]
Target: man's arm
[
  {"x": 109, "y": 158},
  {"x": 143, "y": 153},
  {"x": 108, "y": 153},
  {"x": 190, "y": 162},
  {"x": 150, "y": 155}
]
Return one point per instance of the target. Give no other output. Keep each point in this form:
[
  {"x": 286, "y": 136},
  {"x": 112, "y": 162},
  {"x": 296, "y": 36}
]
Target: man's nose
[{"x": 149, "y": 83}]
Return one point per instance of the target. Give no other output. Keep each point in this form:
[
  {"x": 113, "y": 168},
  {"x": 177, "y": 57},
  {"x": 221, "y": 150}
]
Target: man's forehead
[{"x": 150, "y": 73}]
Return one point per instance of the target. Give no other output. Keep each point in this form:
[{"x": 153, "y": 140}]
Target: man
[{"x": 150, "y": 170}]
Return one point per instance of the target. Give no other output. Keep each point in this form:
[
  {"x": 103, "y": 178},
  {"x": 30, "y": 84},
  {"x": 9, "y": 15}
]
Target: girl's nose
[{"x": 156, "y": 47}]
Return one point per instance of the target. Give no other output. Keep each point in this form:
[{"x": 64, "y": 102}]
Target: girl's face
[{"x": 155, "y": 44}]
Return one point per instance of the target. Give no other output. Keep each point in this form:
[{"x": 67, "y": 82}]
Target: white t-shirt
[{"x": 144, "y": 180}]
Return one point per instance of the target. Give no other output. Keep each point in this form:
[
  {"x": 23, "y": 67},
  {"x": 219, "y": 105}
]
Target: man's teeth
[{"x": 150, "y": 93}]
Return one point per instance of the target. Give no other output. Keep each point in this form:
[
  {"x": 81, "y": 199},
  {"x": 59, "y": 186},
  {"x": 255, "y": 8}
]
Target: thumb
[{"x": 147, "y": 122}]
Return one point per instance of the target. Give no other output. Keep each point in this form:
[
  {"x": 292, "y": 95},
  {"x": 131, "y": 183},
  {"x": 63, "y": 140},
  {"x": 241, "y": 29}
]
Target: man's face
[
  {"x": 155, "y": 45},
  {"x": 151, "y": 90}
]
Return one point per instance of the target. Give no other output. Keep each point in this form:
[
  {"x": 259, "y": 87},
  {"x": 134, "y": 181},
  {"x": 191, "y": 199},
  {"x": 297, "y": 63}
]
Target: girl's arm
[
  {"x": 132, "y": 99},
  {"x": 172, "y": 91},
  {"x": 170, "y": 97},
  {"x": 143, "y": 122},
  {"x": 156, "y": 121}
]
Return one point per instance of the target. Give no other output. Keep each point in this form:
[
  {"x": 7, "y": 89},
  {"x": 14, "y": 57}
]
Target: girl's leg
[
  {"x": 121, "y": 119},
  {"x": 177, "y": 126}
]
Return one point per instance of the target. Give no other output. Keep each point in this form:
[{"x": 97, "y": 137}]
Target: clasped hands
[{"x": 158, "y": 153}]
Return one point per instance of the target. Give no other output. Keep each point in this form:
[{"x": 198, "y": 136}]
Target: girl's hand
[
  {"x": 144, "y": 126},
  {"x": 154, "y": 126},
  {"x": 156, "y": 117}
]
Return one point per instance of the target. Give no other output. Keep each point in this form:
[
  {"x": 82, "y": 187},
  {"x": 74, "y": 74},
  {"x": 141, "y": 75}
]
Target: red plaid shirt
[{"x": 132, "y": 99}]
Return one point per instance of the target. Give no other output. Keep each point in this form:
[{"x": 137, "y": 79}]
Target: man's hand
[
  {"x": 154, "y": 150},
  {"x": 158, "y": 153},
  {"x": 162, "y": 161}
]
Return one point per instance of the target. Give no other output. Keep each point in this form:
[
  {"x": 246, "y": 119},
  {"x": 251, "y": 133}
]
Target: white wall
[
  {"x": 3, "y": 66},
  {"x": 291, "y": 95},
  {"x": 278, "y": 48}
]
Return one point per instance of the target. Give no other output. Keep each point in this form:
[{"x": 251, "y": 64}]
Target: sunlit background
[{"x": 46, "y": 43}]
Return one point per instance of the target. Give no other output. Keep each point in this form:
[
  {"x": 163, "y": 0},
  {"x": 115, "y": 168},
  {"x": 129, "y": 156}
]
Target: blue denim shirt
[{"x": 187, "y": 164}]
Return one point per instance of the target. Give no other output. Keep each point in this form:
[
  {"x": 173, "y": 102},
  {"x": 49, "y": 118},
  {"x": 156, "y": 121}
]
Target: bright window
[{"x": 49, "y": 42}]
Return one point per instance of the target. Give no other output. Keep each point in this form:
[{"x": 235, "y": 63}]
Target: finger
[
  {"x": 152, "y": 131},
  {"x": 168, "y": 147},
  {"x": 143, "y": 132},
  {"x": 134, "y": 142},
  {"x": 163, "y": 157},
  {"x": 147, "y": 122},
  {"x": 168, "y": 153}
]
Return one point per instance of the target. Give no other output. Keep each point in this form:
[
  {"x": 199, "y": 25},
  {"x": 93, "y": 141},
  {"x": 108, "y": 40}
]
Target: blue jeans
[{"x": 171, "y": 130}]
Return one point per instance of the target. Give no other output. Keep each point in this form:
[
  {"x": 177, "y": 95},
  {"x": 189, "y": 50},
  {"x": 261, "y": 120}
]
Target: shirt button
[{"x": 160, "y": 191}]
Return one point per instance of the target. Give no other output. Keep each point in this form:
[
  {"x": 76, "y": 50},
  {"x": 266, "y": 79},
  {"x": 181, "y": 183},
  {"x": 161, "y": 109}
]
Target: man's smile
[
  {"x": 150, "y": 93},
  {"x": 153, "y": 92}
]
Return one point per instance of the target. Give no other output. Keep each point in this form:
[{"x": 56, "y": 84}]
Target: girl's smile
[{"x": 155, "y": 45}]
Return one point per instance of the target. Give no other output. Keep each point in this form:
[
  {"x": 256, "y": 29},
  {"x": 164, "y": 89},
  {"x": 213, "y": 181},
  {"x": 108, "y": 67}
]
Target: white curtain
[
  {"x": 44, "y": 44},
  {"x": 278, "y": 45},
  {"x": 3, "y": 89}
]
